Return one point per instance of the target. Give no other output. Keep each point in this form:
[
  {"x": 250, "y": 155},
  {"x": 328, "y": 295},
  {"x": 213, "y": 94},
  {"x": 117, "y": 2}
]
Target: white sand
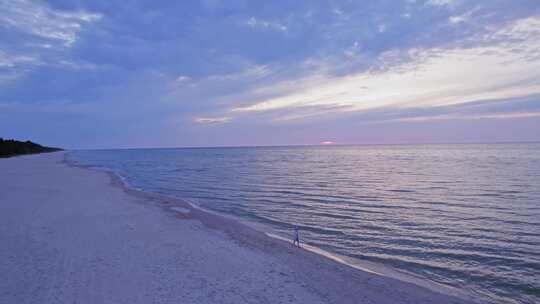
[{"x": 73, "y": 235}]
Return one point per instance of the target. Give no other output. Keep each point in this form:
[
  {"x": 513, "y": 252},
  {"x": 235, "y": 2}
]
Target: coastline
[{"x": 236, "y": 262}]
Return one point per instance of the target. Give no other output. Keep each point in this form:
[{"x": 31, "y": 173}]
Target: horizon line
[{"x": 315, "y": 145}]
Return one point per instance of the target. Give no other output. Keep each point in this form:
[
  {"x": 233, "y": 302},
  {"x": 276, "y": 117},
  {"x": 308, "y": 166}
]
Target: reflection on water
[{"x": 462, "y": 215}]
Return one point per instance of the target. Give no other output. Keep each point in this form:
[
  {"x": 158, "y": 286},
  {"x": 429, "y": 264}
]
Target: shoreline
[
  {"x": 322, "y": 276},
  {"x": 185, "y": 206}
]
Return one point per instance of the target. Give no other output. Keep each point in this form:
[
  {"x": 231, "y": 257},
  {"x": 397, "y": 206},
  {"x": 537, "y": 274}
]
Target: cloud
[
  {"x": 7, "y": 61},
  {"x": 38, "y": 19},
  {"x": 10, "y": 65},
  {"x": 505, "y": 64},
  {"x": 449, "y": 3},
  {"x": 442, "y": 117},
  {"x": 183, "y": 78},
  {"x": 74, "y": 65},
  {"x": 34, "y": 35},
  {"x": 251, "y": 72},
  {"x": 212, "y": 120},
  {"x": 265, "y": 25},
  {"x": 465, "y": 17}
]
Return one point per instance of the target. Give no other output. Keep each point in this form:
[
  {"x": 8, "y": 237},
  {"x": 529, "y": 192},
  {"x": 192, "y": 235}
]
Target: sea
[{"x": 461, "y": 215}]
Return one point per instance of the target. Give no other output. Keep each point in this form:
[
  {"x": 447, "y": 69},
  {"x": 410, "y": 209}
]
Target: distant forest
[{"x": 10, "y": 147}]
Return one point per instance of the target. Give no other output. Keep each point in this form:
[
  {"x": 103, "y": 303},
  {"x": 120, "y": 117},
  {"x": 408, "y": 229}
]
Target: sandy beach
[{"x": 75, "y": 235}]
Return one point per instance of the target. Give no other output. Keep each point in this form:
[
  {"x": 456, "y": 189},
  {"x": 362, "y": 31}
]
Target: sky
[{"x": 119, "y": 74}]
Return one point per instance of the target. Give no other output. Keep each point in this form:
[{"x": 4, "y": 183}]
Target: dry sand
[{"x": 74, "y": 235}]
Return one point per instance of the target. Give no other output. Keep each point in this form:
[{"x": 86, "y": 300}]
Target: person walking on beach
[{"x": 296, "y": 241}]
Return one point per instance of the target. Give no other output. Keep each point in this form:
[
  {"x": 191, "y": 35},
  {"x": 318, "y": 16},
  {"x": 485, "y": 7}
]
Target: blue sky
[{"x": 106, "y": 74}]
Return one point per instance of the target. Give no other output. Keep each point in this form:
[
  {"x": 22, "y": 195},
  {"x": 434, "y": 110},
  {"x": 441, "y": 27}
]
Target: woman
[{"x": 296, "y": 240}]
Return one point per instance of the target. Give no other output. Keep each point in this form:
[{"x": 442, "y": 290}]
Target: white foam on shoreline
[
  {"x": 319, "y": 251},
  {"x": 181, "y": 210},
  {"x": 365, "y": 266}
]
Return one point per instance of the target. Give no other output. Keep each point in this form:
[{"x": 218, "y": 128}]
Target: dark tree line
[{"x": 10, "y": 147}]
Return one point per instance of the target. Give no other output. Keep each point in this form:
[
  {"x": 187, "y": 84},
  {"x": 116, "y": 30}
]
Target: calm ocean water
[{"x": 467, "y": 215}]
